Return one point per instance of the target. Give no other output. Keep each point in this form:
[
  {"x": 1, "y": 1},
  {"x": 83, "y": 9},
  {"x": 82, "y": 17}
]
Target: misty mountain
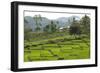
[{"x": 29, "y": 22}]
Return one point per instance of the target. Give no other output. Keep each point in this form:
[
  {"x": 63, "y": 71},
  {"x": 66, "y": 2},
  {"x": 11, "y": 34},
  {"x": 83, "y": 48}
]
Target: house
[{"x": 61, "y": 29}]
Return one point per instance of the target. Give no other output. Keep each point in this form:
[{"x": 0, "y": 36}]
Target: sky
[{"x": 53, "y": 15}]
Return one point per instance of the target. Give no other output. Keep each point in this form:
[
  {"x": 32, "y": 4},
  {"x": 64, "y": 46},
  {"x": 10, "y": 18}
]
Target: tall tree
[
  {"x": 85, "y": 24},
  {"x": 50, "y": 27},
  {"x": 75, "y": 28},
  {"x": 37, "y": 19}
]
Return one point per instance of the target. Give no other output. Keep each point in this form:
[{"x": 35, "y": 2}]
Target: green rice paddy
[{"x": 57, "y": 48}]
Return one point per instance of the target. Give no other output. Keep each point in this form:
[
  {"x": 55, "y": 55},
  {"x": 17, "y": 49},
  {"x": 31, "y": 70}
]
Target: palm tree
[{"x": 37, "y": 19}]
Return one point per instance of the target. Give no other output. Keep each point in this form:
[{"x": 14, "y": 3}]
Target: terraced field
[{"x": 60, "y": 48}]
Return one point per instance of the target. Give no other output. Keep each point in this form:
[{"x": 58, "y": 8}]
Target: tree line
[
  {"x": 77, "y": 27},
  {"x": 80, "y": 27}
]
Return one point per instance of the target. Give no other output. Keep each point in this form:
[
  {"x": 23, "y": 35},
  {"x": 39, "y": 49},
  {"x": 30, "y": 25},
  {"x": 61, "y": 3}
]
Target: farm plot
[{"x": 60, "y": 50}]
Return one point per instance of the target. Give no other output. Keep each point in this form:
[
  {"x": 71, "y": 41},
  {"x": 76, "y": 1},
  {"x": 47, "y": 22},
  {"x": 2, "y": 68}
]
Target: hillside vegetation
[{"x": 53, "y": 42}]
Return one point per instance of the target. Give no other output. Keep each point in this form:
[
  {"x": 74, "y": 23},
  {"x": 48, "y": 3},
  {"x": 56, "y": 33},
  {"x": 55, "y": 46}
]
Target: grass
[{"x": 57, "y": 48}]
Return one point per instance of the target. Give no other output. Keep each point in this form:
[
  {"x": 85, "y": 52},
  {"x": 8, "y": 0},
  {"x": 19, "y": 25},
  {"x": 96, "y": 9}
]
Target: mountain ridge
[{"x": 61, "y": 21}]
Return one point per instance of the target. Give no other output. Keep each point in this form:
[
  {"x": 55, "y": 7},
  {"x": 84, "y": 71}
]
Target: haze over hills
[{"x": 29, "y": 22}]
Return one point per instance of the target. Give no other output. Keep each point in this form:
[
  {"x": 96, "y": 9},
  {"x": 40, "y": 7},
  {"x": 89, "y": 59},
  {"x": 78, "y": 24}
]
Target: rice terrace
[{"x": 56, "y": 36}]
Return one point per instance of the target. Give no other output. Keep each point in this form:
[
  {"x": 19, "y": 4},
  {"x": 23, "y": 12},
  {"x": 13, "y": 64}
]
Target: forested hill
[{"x": 30, "y": 22}]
